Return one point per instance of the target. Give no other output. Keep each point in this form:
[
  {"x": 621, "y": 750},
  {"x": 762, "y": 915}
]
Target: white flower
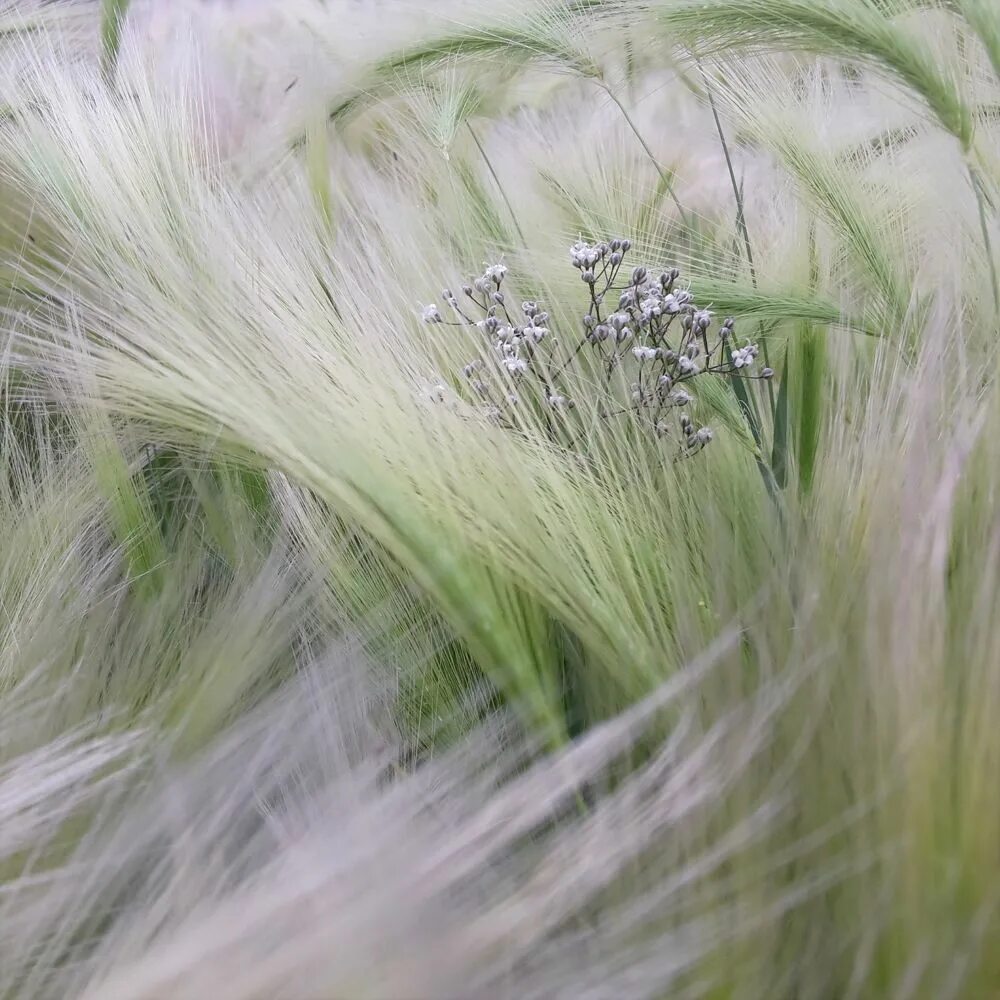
[
  {"x": 583, "y": 255},
  {"x": 644, "y": 353},
  {"x": 516, "y": 366},
  {"x": 702, "y": 317},
  {"x": 670, "y": 304},
  {"x": 743, "y": 356},
  {"x": 430, "y": 314},
  {"x": 495, "y": 273},
  {"x": 687, "y": 365},
  {"x": 680, "y": 397},
  {"x": 651, "y": 307}
]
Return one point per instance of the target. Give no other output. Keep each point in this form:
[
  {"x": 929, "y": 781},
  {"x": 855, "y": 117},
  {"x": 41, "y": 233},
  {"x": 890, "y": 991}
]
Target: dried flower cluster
[{"x": 647, "y": 338}]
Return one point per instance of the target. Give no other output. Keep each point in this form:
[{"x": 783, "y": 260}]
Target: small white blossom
[
  {"x": 743, "y": 357},
  {"x": 652, "y": 307},
  {"x": 430, "y": 314},
  {"x": 644, "y": 353},
  {"x": 516, "y": 366},
  {"x": 583, "y": 255},
  {"x": 687, "y": 365},
  {"x": 680, "y": 397},
  {"x": 494, "y": 273}
]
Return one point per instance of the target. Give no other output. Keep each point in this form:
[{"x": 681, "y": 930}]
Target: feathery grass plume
[
  {"x": 985, "y": 22},
  {"x": 839, "y": 196},
  {"x": 855, "y": 30},
  {"x": 113, "y": 13},
  {"x": 553, "y": 33},
  {"x": 425, "y": 706},
  {"x": 460, "y": 866},
  {"x": 479, "y": 555}
]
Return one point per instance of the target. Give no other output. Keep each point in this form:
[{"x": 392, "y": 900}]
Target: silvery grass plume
[{"x": 293, "y": 654}]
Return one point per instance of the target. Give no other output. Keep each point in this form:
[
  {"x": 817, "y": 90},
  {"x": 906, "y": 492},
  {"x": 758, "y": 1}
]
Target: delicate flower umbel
[{"x": 639, "y": 339}]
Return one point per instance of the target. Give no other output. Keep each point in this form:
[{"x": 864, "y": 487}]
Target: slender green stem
[
  {"x": 496, "y": 180},
  {"x": 664, "y": 177},
  {"x": 741, "y": 220}
]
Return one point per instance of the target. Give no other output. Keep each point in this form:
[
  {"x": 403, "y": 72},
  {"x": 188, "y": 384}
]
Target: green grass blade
[
  {"x": 779, "y": 448},
  {"x": 112, "y": 19},
  {"x": 811, "y": 367},
  {"x": 133, "y": 515}
]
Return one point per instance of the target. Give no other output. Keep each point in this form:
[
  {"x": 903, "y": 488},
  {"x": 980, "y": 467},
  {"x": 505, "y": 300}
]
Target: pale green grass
[{"x": 313, "y": 683}]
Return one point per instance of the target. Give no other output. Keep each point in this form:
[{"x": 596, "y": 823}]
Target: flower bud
[
  {"x": 767, "y": 373},
  {"x": 638, "y": 275}
]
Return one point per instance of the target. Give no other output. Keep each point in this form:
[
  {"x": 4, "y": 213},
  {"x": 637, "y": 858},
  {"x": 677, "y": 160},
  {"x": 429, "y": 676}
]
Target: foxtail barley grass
[{"x": 325, "y": 672}]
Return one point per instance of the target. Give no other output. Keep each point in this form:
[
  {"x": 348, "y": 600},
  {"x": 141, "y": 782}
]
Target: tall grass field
[{"x": 500, "y": 499}]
